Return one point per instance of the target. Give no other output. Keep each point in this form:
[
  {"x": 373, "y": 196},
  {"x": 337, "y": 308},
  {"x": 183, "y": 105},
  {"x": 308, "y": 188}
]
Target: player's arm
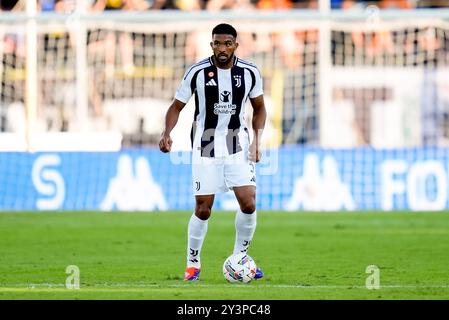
[
  {"x": 259, "y": 118},
  {"x": 171, "y": 118}
]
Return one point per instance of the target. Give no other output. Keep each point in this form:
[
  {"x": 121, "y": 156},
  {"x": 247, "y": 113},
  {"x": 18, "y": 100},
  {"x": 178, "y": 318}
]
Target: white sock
[
  {"x": 197, "y": 230},
  {"x": 245, "y": 225}
]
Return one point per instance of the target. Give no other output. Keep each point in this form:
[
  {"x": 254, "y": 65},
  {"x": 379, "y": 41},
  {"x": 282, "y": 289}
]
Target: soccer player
[{"x": 223, "y": 158}]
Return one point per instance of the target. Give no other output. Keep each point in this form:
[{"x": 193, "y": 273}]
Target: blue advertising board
[{"x": 290, "y": 178}]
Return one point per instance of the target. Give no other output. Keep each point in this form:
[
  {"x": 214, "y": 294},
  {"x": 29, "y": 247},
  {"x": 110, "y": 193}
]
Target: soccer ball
[{"x": 239, "y": 267}]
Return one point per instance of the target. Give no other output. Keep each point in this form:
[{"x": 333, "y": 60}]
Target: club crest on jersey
[
  {"x": 225, "y": 105},
  {"x": 238, "y": 80},
  {"x": 211, "y": 74}
]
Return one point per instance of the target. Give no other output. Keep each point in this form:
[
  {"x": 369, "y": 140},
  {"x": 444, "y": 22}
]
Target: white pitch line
[{"x": 190, "y": 285}]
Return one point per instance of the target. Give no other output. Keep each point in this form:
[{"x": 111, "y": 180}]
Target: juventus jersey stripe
[{"x": 219, "y": 127}]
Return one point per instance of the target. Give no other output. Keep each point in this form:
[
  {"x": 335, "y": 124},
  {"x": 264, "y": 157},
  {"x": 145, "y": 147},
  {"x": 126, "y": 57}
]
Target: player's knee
[
  {"x": 248, "y": 206},
  {"x": 202, "y": 211}
]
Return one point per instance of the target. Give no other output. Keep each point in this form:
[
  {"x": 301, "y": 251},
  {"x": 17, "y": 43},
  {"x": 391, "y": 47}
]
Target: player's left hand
[{"x": 254, "y": 152}]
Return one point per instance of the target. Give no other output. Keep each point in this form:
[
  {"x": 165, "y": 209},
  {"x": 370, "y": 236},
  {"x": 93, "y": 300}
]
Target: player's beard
[{"x": 223, "y": 63}]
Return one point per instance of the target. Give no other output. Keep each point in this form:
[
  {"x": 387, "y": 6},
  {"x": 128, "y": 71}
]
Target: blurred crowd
[
  {"x": 119, "y": 59},
  {"x": 215, "y": 5},
  {"x": 389, "y": 4}
]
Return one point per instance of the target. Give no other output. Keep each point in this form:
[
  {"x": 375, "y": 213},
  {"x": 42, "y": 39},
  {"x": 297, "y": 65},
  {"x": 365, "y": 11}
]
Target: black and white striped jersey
[{"x": 220, "y": 95}]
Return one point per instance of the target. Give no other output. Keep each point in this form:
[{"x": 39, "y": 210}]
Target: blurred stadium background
[{"x": 357, "y": 94}]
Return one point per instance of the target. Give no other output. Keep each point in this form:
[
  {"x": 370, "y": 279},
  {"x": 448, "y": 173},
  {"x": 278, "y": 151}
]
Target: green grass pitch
[{"x": 303, "y": 255}]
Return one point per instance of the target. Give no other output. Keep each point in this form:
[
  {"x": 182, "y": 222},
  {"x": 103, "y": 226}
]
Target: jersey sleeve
[
  {"x": 184, "y": 91},
  {"x": 257, "y": 89}
]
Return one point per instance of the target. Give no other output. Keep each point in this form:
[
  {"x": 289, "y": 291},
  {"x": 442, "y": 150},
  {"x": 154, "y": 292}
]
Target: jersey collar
[{"x": 211, "y": 60}]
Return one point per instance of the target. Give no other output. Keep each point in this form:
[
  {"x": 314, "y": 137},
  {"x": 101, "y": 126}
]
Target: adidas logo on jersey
[{"x": 211, "y": 83}]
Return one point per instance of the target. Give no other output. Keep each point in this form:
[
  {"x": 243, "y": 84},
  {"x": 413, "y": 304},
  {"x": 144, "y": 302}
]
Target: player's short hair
[{"x": 224, "y": 28}]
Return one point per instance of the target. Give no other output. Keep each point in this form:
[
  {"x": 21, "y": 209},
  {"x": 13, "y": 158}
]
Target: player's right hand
[{"x": 165, "y": 143}]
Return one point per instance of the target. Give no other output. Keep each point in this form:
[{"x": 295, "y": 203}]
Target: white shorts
[{"x": 215, "y": 175}]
